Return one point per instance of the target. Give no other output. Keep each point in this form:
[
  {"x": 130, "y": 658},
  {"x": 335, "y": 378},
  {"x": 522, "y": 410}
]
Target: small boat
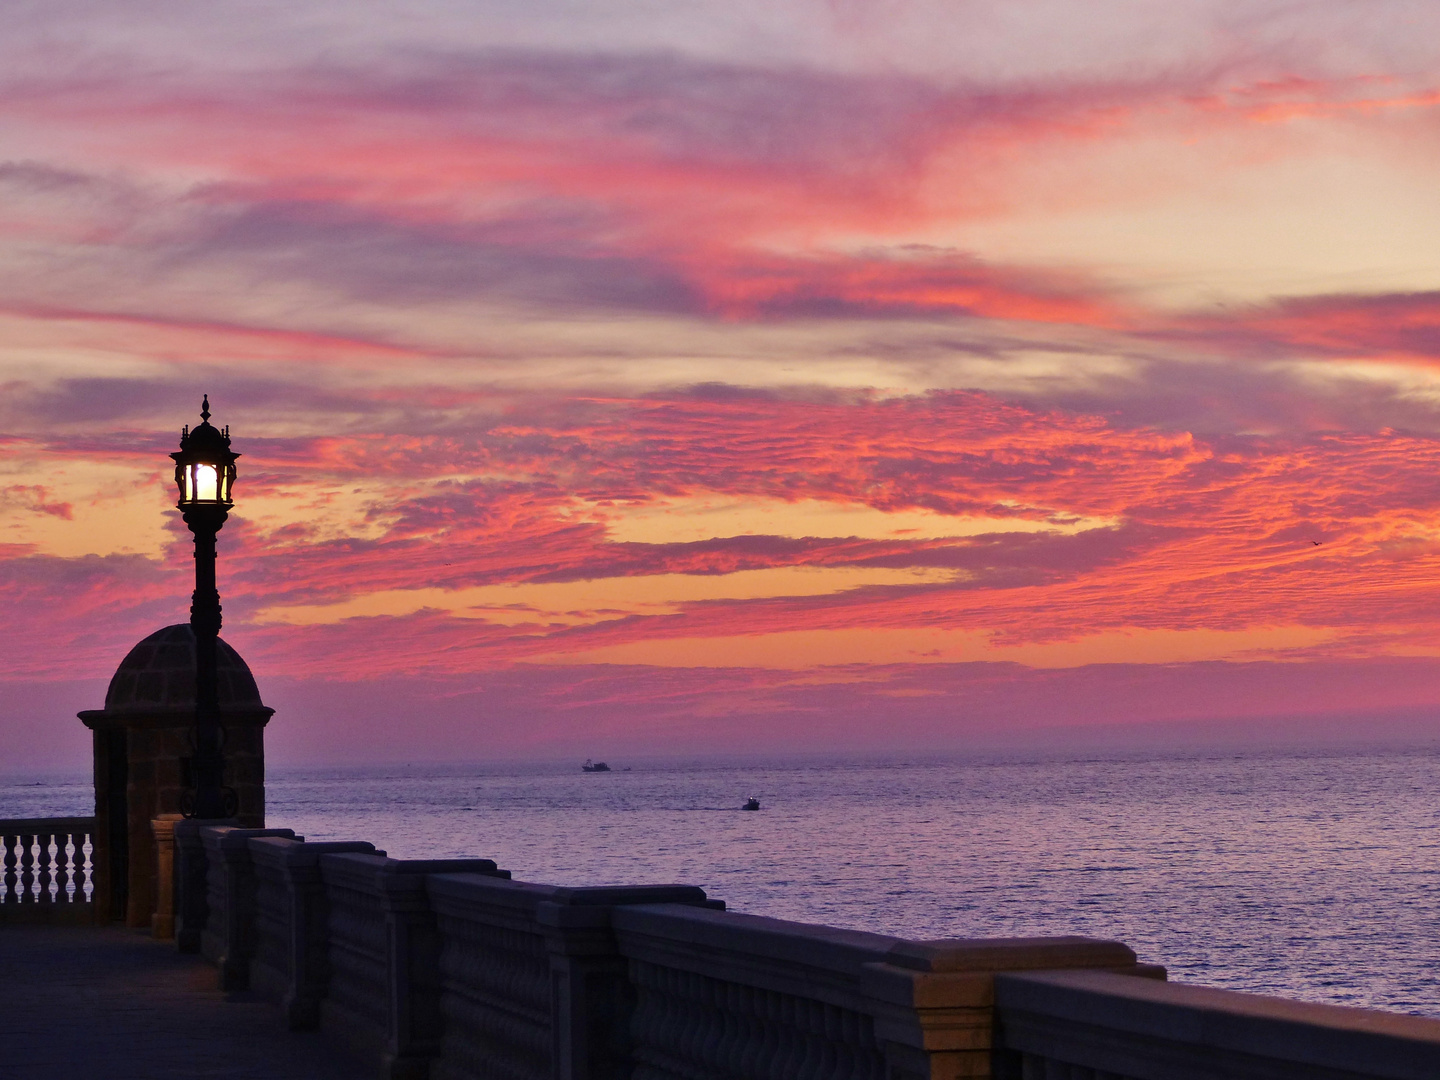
[
  {"x": 595, "y": 766},
  {"x": 751, "y": 803}
]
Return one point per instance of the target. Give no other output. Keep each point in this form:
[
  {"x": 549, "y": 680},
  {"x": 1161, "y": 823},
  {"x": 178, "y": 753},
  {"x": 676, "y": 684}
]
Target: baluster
[
  {"x": 705, "y": 998},
  {"x": 42, "y": 841},
  {"x": 689, "y": 993},
  {"x": 805, "y": 1048},
  {"x": 62, "y": 875},
  {"x": 768, "y": 1005},
  {"x": 853, "y": 1045},
  {"x": 795, "y": 1017},
  {"x": 27, "y": 868},
  {"x": 5, "y": 841},
  {"x": 80, "y": 863},
  {"x": 642, "y": 1025},
  {"x": 674, "y": 1017},
  {"x": 830, "y": 1058},
  {"x": 746, "y": 1033},
  {"x": 692, "y": 998}
]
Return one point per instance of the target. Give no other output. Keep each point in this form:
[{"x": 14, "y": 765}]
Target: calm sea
[{"x": 1309, "y": 875}]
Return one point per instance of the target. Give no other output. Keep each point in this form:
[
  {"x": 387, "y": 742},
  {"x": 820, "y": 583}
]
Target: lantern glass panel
[{"x": 207, "y": 483}]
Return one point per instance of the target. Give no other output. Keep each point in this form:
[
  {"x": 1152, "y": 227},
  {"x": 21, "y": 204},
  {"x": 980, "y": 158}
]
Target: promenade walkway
[{"x": 107, "y": 1003}]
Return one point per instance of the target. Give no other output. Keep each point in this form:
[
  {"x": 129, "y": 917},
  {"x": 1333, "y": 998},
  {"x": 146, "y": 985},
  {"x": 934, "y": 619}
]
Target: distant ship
[
  {"x": 595, "y": 766},
  {"x": 751, "y": 804}
]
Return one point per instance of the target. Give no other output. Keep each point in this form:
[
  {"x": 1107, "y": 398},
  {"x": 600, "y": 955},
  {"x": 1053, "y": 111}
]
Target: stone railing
[
  {"x": 47, "y": 870},
  {"x": 531, "y": 981},
  {"x": 291, "y": 963},
  {"x": 723, "y": 994},
  {"x": 1091, "y": 1024},
  {"x": 229, "y": 934},
  {"x": 383, "y": 996},
  {"x": 449, "y": 970}
]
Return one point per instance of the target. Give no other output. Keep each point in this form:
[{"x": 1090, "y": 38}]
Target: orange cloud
[{"x": 1226, "y": 535}]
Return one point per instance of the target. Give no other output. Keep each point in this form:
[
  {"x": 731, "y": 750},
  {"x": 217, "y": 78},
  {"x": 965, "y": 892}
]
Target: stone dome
[{"x": 158, "y": 675}]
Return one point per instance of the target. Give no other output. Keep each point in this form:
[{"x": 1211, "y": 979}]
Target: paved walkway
[{"x": 106, "y": 1003}]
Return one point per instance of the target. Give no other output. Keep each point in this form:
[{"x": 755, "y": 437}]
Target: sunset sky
[{"x": 639, "y": 377}]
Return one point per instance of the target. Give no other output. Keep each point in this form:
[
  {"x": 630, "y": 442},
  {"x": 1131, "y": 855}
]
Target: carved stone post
[
  {"x": 229, "y": 935},
  {"x": 288, "y": 874},
  {"x": 414, "y": 944},
  {"x": 192, "y": 866},
  {"x": 533, "y": 982},
  {"x": 591, "y": 995},
  {"x": 383, "y": 996},
  {"x": 934, "y": 1002}
]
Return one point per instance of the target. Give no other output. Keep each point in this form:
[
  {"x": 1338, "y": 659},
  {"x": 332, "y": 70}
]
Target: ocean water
[{"x": 1307, "y": 875}]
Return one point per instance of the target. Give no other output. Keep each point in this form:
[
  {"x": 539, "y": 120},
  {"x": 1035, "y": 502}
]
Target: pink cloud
[
  {"x": 293, "y": 238},
  {"x": 34, "y": 498},
  {"x": 639, "y": 181},
  {"x": 1385, "y": 326}
]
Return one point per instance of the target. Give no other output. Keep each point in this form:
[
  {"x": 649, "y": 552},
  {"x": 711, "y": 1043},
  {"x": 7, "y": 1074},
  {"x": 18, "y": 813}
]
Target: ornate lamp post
[{"x": 205, "y": 475}]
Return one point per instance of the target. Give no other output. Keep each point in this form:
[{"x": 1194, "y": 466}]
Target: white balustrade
[{"x": 47, "y": 864}]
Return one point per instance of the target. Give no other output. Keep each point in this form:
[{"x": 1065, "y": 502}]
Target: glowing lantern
[{"x": 205, "y": 465}]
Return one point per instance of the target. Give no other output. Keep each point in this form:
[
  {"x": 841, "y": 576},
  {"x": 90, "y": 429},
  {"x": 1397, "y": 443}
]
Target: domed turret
[
  {"x": 159, "y": 674},
  {"x": 144, "y": 745}
]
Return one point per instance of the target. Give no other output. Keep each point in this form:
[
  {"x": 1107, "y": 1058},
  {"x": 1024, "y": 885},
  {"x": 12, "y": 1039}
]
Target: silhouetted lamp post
[{"x": 205, "y": 475}]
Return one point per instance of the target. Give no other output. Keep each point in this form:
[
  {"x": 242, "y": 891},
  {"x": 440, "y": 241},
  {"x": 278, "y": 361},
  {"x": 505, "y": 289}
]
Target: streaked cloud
[{"x": 928, "y": 353}]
